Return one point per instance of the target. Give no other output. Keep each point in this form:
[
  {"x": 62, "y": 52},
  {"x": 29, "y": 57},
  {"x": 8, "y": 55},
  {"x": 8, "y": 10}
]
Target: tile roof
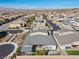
[{"x": 67, "y": 38}]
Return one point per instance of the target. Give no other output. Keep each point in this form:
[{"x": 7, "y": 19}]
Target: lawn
[{"x": 73, "y": 52}]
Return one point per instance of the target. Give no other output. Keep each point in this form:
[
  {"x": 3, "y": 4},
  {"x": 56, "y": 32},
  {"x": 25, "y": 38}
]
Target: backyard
[{"x": 73, "y": 52}]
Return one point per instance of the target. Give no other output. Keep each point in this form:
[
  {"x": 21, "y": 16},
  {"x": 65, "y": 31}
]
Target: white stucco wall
[{"x": 63, "y": 46}]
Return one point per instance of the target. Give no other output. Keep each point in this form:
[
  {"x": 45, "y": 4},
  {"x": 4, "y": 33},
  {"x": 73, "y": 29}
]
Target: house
[
  {"x": 66, "y": 38},
  {"x": 69, "y": 23},
  {"x": 37, "y": 38},
  {"x": 39, "y": 23},
  {"x": 14, "y": 26}
]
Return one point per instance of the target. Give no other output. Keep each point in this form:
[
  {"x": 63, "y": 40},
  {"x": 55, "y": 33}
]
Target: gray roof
[
  {"x": 40, "y": 30},
  {"x": 39, "y": 39},
  {"x": 36, "y": 40},
  {"x": 65, "y": 30},
  {"x": 13, "y": 31},
  {"x": 68, "y": 38},
  {"x": 26, "y": 48}
]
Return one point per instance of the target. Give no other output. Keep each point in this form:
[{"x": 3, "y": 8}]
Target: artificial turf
[{"x": 73, "y": 52}]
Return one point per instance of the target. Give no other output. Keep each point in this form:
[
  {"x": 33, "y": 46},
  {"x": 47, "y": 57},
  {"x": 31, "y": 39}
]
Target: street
[{"x": 54, "y": 26}]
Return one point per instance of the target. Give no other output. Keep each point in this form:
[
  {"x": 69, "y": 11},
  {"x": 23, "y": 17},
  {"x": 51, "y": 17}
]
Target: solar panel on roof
[{"x": 6, "y": 49}]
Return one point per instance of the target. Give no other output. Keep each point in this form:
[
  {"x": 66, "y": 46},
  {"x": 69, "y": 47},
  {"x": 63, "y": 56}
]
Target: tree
[
  {"x": 30, "y": 20},
  {"x": 21, "y": 24},
  {"x": 40, "y": 51},
  {"x": 25, "y": 25},
  {"x": 44, "y": 16},
  {"x": 46, "y": 24}
]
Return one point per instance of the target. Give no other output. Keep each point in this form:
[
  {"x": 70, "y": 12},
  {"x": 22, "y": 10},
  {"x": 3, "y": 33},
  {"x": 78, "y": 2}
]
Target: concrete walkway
[{"x": 12, "y": 38}]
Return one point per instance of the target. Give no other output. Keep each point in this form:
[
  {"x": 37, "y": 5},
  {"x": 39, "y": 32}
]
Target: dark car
[{"x": 3, "y": 34}]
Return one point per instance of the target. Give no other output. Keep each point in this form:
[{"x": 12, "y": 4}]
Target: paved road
[{"x": 54, "y": 26}]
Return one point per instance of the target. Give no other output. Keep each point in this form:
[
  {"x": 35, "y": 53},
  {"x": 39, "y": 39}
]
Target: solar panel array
[{"x": 5, "y": 50}]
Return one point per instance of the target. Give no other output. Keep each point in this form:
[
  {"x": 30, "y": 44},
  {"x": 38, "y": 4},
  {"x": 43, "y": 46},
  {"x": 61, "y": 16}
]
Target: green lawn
[{"x": 73, "y": 52}]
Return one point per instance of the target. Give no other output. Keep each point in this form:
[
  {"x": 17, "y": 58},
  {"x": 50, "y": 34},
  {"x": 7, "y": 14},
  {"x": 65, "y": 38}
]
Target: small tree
[
  {"x": 21, "y": 24},
  {"x": 46, "y": 24},
  {"x": 44, "y": 16},
  {"x": 25, "y": 25},
  {"x": 40, "y": 52}
]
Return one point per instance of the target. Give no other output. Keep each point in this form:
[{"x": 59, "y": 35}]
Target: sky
[{"x": 27, "y": 4}]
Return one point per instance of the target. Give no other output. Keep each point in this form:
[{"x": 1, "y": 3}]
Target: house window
[
  {"x": 67, "y": 47},
  {"x": 23, "y": 53}
]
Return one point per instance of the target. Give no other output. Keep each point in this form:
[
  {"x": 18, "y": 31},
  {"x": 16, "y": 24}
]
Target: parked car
[{"x": 3, "y": 34}]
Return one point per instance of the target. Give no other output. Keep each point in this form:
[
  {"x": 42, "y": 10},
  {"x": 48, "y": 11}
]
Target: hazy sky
[{"x": 40, "y": 3}]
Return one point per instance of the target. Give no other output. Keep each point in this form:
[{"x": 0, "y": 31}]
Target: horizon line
[{"x": 40, "y": 8}]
